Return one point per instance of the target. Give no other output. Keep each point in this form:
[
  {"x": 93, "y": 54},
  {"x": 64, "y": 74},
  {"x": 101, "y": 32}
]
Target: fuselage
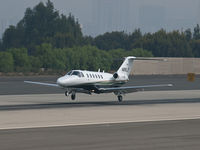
[{"x": 89, "y": 80}]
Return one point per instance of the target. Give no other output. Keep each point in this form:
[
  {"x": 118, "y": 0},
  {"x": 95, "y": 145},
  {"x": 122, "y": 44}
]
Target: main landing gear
[
  {"x": 73, "y": 94},
  {"x": 120, "y": 98}
]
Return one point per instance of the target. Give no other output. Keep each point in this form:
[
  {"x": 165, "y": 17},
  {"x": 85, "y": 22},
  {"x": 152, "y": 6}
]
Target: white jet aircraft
[{"x": 88, "y": 82}]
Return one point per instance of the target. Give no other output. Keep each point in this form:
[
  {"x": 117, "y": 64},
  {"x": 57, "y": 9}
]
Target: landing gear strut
[
  {"x": 73, "y": 94},
  {"x": 120, "y": 98}
]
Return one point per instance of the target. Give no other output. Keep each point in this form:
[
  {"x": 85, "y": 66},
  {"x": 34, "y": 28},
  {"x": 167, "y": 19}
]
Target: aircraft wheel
[
  {"x": 120, "y": 98},
  {"x": 73, "y": 96},
  {"x": 66, "y": 93}
]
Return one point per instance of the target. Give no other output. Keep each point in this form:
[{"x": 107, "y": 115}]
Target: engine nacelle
[{"x": 115, "y": 75}]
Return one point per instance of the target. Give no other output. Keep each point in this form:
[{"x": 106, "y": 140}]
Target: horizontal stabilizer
[{"x": 154, "y": 58}]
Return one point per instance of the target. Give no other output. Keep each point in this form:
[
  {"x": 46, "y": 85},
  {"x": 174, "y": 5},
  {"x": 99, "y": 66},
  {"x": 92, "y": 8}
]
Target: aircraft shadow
[{"x": 96, "y": 104}]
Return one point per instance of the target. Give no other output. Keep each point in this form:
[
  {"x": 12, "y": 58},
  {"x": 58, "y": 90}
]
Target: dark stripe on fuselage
[{"x": 96, "y": 85}]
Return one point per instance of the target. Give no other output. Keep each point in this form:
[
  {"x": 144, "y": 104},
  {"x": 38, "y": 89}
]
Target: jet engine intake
[{"x": 115, "y": 75}]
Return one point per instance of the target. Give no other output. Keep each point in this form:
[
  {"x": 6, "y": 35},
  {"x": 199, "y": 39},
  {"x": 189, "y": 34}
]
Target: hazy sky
[{"x": 99, "y": 16}]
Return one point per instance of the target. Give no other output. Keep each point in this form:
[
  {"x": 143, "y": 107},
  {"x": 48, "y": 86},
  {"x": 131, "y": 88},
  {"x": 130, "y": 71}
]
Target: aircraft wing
[
  {"x": 131, "y": 89},
  {"x": 41, "y": 83}
]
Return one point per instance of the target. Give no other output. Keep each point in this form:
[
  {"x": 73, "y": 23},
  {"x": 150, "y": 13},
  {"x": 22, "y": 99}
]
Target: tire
[
  {"x": 73, "y": 96},
  {"x": 120, "y": 98}
]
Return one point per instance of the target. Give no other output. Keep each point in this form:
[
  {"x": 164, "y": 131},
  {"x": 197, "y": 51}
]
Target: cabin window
[
  {"x": 93, "y": 75},
  {"x": 82, "y": 75},
  {"x": 99, "y": 76},
  {"x": 90, "y": 76},
  {"x": 96, "y": 76},
  {"x": 87, "y": 75}
]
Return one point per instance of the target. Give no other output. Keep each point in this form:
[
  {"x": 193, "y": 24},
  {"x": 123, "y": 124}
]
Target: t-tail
[{"x": 125, "y": 69}]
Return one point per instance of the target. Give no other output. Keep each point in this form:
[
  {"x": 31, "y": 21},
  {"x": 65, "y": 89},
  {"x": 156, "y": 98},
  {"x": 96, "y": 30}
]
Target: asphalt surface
[
  {"x": 48, "y": 110},
  {"x": 165, "y": 135},
  {"x": 157, "y": 135},
  {"x": 83, "y": 104},
  {"x": 16, "y": 86}
]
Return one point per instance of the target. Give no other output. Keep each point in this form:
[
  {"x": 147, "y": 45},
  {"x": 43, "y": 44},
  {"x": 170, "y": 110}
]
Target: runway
[
  {"x": 139, "y": 123},
  {"x": 165, "y": 135},
  {"x": 49, "y": 110},
  {"x": 161, "y": 119}
]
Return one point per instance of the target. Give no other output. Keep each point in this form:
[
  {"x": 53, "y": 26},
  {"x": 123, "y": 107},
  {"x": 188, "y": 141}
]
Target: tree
[
  {"x": 43, "y": 24},
  {"x": 179, "y": 45},
  {"x": 87, "y": 58},
  {"x": 113, "y": 40},
  {"x": 50, "y": 58},
  {"x": 163, "y": 44},
  {"x": 36, "y": 64},
  {"x": 196, "y": 34},
  {"x": 88, "y": 40},
  {"x": 134, "y": 39},
  {"x": 6, "y": 62},
  {"x": 188, "y": 34},
  {"x": 21, "y": 59},
  {"x": 138, "y": 52},
  {"x": 1, "y": 46},
  {"x": 12, "y": 37},
  {"x": 195, "y": 44}
]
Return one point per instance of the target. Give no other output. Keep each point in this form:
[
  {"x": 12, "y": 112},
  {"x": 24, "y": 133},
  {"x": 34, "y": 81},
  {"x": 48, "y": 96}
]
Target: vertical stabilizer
[{"x": 126, "y": 67}]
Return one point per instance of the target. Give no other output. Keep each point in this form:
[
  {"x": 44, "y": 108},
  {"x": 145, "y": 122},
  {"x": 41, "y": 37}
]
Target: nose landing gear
[
  {"x": 66, "y": 93},
  {"x": 73, "y": 94}
]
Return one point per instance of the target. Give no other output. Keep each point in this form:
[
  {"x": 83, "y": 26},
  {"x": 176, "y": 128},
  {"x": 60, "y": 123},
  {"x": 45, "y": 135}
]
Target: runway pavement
[
  {"x": 44, "y": 118},
  {"x": 165, "y": 135},
  {"x": 44, "y": 110}
]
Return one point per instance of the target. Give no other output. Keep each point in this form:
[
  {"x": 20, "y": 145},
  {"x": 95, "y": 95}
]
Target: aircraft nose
[
  {"x": 59, "y": 81},
  {"x": 64, "y": 81}
]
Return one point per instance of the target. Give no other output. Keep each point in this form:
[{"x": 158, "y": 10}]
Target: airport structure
[{"x": 172, "y": 66}]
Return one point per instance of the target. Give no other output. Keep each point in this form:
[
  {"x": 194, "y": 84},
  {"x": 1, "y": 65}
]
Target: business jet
[{"x": 88, "y": 82}]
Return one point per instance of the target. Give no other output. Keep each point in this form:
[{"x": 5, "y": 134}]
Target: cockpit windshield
[
  {"x": 69, "y": 73},
  {"x": 76, "y": 73}
]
